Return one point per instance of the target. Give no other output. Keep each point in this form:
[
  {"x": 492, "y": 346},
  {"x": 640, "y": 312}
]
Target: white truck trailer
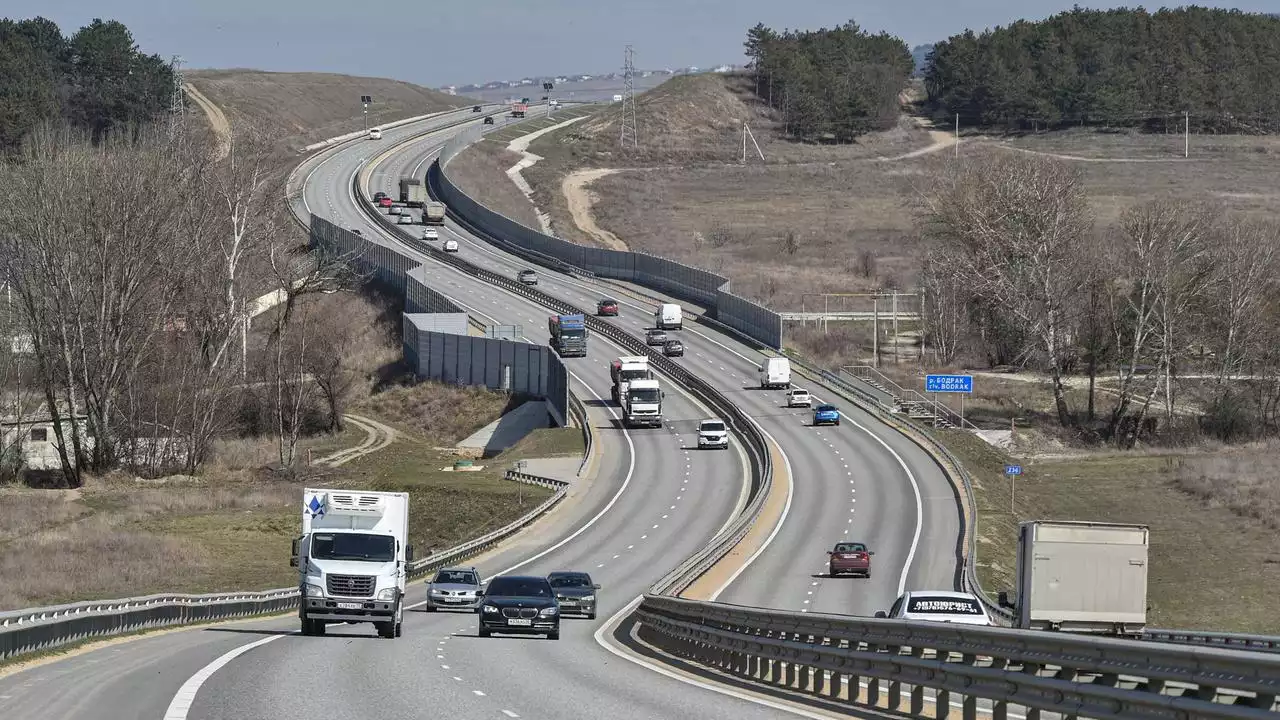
[
  {"x": 1085, "y": 577},
  {"x": 625, "y": 369},
  {"x": 352, "y": 559}
]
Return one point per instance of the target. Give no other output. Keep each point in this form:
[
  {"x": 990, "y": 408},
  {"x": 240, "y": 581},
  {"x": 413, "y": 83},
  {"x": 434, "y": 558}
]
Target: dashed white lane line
[
  {"x": 479, "y": 693},
  {"x": 510, "y": 714},
  {"x": 455, "y": 677},
  {"x": 444, "y": 667}
]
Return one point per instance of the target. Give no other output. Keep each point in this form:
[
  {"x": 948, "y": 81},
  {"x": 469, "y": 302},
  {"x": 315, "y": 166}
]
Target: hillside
[{"x": 307, "y": 107}]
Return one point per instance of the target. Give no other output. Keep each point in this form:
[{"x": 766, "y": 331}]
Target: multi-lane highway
[{"x": 654, "y": 501}]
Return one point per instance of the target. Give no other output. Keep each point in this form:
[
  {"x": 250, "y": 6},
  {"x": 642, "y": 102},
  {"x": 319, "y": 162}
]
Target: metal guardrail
[
  {"x": 1231, "y": 641},
  {"x": 931, "y": 667},
  {"x": 578, "y": 410}
]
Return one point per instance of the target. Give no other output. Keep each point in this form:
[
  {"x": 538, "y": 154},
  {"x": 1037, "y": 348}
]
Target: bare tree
[
  {"x": 867, "y": 263},
  {"x": 347, "y": 344},
  {"x": 1015, "y": 227},
  {"x": 1247, "y": 256},
  {"x": 943, "y": 308}
]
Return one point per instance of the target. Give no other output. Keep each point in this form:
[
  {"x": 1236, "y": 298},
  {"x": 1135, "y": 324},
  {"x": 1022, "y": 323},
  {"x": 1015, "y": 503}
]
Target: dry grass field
[
  {"x": 306, "y": 107},
  {"x": 230, "y": 527}
]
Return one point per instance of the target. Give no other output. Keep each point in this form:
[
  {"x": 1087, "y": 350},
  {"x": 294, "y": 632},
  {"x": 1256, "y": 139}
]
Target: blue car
[{"x": 826, "y": 415}]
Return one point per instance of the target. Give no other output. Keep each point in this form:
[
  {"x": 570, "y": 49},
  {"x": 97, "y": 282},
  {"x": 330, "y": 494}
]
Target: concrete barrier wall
[
  {"x": 535, "y": 369},
  {"x": 684, "y": 282}
]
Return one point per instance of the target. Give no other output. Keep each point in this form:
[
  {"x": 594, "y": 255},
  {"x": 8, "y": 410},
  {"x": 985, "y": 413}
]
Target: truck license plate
[
  {"x": 519, "y": 621},
  {"x": 350, "y": 606}
]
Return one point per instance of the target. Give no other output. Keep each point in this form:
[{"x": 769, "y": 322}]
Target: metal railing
[{"x": 926, "y": 669}]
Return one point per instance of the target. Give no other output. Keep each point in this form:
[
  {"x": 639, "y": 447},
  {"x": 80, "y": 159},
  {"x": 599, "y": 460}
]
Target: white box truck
[
  {"x": 775, "y": 372},
  {"x": 1086, "y": 577},
  {"x": 625, "y": 369},
  {"x": 668, "y": 317},
  {"x": 352, "y": 559}
]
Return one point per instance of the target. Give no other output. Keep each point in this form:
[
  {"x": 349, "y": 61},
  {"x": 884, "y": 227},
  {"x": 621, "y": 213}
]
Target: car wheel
[
  {"x": 399, "y": 629},
  {"x": 832, "y": 572},
  {"x": 483, "y": 633},
  {"x": 837, "y": 423},
  {"x": 553, "y": 636},
  {"x": 386, "y": 629},
  {"x": 430, "y": 608},
  {"x": 592, "y": 616}
]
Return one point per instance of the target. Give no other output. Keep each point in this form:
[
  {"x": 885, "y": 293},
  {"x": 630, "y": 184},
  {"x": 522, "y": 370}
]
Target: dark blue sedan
[{"x": 826, "y": 415}]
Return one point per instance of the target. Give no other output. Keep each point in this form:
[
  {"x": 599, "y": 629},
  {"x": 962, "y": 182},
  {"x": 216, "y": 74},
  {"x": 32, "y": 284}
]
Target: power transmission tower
[
  {"x": 177, "y": 99},
  {"x": 629, "y": 127}
]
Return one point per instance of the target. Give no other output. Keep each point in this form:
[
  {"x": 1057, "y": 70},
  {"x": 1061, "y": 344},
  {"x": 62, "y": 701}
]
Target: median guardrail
[{"x": 42, "y": 629}]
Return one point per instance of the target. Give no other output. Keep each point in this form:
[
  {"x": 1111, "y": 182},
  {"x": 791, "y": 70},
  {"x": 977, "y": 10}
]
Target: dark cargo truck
[
  {"x": 568, "y": 335},
  {"x": 412, "y": 192}
]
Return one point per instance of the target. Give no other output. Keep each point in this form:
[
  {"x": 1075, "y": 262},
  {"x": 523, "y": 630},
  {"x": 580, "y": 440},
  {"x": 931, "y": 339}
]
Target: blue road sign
[
  {"x": 948, "y": 383},
  {"x": 1012, "y": 469}
]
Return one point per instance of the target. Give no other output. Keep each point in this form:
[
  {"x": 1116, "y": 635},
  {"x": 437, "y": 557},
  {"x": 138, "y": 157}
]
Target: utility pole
[
  {"x": 1186, "y": 134},
  {"x": 629, "y": 124},
  {"x": 957, "y": 135},
  {"x": 364, "y": 101},
  {"x": 177, "y": 98}
]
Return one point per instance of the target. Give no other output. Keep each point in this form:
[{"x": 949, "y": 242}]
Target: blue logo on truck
[{"x": 315, "y": 506}]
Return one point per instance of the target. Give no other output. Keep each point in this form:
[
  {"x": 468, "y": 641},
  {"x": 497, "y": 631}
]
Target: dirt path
[
  {"x": 938, "y": 140},
  {"x": 217, "y": 120},
  {"x": 377, "y": 437},
  {"x": 581, "y": 199},
  {"x": 1081, "y": 158}
]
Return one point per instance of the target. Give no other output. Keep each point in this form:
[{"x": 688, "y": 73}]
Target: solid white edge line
[
  {"x": 612, "y": 623},
  {"x": 186, "y": 695},
  {"x": 777, "y": 528}
]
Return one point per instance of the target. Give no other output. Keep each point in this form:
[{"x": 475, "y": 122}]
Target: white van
[
  {"x": 775, "y": 373},
  {"x": 668, "y": 317},
  {"x": 375, "y": 133}
]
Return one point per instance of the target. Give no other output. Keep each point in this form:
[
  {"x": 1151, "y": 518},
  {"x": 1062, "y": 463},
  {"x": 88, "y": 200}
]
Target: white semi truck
[
  {"x": 668, "y": 317},
  {"x": 1084, "y": 577},
  {"x": 626, "y": 369},
  {"x": 642, "y": 404},
  {"x": 352, "y": 559}
]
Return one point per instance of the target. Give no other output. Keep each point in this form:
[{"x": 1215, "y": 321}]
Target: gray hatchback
[{"x": 454, "y": 588}]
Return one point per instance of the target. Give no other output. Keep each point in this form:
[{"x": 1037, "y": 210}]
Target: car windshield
[
  {"x": 798, "y": 393},
  {"x": 646, "y": 395},
  {"x": 712, "y": 426},
  {"x": 635, "y": 374},
  {"x": 657, "y": 333},
  {"x": 938, "y": 605},
  {"x": 674, "y": 345},
  {"x": 456, "y": 577},
  {"x": 519, "y": 587},
  {"x": 851, "y": 548},
  {"x": 353, "y": 546},
  {"x": 608, "y": 302},
  {"x": 826, "y": 408},
  {"x": 567, "y": 581},
  {"x": 575, "y": 333}
]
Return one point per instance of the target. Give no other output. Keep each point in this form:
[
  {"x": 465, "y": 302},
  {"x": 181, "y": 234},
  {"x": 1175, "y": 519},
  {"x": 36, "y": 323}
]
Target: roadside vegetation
[{"x": 1122, "y": 328}]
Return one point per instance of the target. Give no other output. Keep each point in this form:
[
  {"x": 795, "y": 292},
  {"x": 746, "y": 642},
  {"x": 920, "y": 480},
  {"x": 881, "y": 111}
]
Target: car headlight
[
  {"x": 490, "y": 609},
  {"x": 550, "y": 612},
  {"x": 314, "y": 590},
  {"x": 436, "y": 592},
  {"x": 589, "y": 598},
  {"x": 388, "y": 594}
]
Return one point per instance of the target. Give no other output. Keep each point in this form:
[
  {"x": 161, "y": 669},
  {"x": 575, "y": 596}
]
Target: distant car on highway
[
  {"x": 850, "y": 557},
  {"x": 454, "y": 587},
  {"x": 799, "y": 398},
  {"x": 385, "y": 202},
  {"x": 656, "y": 337},
  {"x": 475, "y": 108},
  {"x": 520, "y": 605},
  {"x": 377, "y": 197},
  {"x": 488, "y": 120},
  {"x": 431, "y": 234},
  {"x": 575, "y": 592},
  {"x": 713, "y": 434},
  {"x": 826, "y": 415},
  {"x": 673, "y": 348},
  {"x": 938, "y": 606},
  {"x": 528, "y": 277},
  {"x": 607, "y": 306},
  {"x": 405, "y": 219},
  {"x": 375, "y": 133},
  {"x": 451, "y": 246},
  {"x": 395, "y": 210},
  {"x": 356, "y": 231}
]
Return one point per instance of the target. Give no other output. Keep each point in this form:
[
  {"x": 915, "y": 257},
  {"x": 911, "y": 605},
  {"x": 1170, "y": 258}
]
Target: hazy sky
[{"x": 458, "y": 42}]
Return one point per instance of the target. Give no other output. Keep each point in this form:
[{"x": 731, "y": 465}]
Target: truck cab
[
  {"x": 642, "y": 404},
  {"x": 568, "y": 335},
  {"x": 624, "y": 370},
  {"x": 352, "y": 559},
  {"x": 668, "y": 317}
]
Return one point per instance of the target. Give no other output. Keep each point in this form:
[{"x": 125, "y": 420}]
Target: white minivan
[
  {"x": 775, "y": 373},
  {"x": 375, "y": 133}
]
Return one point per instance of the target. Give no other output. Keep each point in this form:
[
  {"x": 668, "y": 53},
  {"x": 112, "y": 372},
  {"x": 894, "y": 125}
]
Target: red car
[
  {"x": 850, "y": 557},
  {"x": 385, "y": 202},
  {"x": 607, "y": 306}
]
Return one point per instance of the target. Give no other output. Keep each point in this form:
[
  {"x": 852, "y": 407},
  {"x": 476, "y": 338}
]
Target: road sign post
[
  {"x": 958, "y": 384},
  {"x": 1012, "y": 471},
  {"x": 365, "y": 100}
]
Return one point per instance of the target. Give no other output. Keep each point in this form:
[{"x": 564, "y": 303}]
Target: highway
[
  {"x": 653, "y": 503},
  {"x": 860, "y": 481}
]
